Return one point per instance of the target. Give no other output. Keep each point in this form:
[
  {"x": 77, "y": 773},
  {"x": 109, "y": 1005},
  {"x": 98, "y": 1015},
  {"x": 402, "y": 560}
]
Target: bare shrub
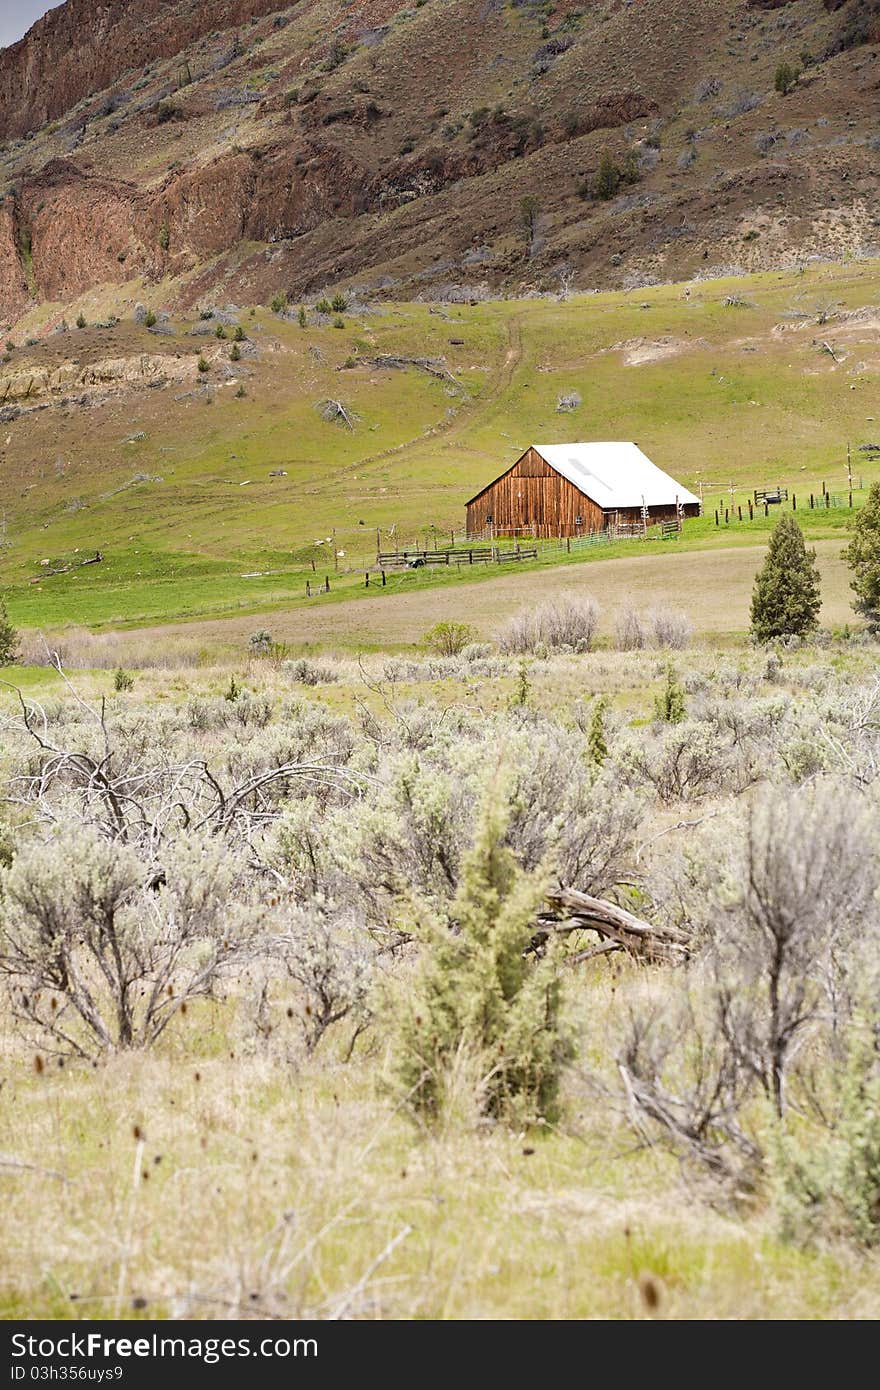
[
  {"x": 78, "y": 649},
  {"x": 683, "y": 1085},
  {"x": 329, "y": 956},
  {"x": 686, "y": 762},
  {"x": 100, "y": 952},
  {"x": 568, "y": 621},
  {"x": 629, "y": 630},
  {"x": 802, "y": 884},
  {"x": 788, "y": 903},
  {"x": 129, "y": 778},
  {"x": 669, "y": 630}
]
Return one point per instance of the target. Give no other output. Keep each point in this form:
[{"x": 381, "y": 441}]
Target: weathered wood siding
[{"x": 531, "y": 496}]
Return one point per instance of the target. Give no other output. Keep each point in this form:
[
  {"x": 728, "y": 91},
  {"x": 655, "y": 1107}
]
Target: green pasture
[{"x": 726, "y": 396}]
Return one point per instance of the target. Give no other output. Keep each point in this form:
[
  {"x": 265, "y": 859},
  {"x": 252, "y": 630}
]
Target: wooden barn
[{"x": 575, "y": 489}]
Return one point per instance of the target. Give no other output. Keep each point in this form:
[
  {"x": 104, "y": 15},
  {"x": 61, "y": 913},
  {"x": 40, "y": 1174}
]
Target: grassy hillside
[{"x": 173, "y": 485}]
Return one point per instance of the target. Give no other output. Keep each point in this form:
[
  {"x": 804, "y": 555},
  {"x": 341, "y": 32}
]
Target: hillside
[
  {"x": 212, "y": 492},
  {"x": 444, "y": 151}
]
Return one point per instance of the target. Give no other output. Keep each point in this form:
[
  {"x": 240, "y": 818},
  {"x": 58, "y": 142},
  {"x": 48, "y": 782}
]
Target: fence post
[
  {"x": 740, "y": 512},
  {"x": 383, "y": 579},
  {"x": 568, "y": 545},
  {"x": 794, "y": 502},
  {"x": 827, "y": 500},
  {"x": 751, "y": 511},
  {"x": 766, "y": 508},
  {"x": 716, "y": 517},
  {"x": 366, "y": 579},
  {"x": 470, "y": 557},
  {"x": 326, "y": 583},
  {"x": 308, "y": 589},
  {"x": 812, "y": 506},
  {"x": 726, "y": 516}
]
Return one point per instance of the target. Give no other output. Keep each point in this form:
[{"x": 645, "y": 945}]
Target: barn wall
[{"x": 532, "y": 495}]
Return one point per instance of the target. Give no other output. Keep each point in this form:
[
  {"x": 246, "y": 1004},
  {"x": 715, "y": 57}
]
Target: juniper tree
[
  {"x": 863, "y": 557},
  {"x": 786, "y": 598},
  {"x": 669, "y": 705},
  {"x": 480, "y": 992},
  {"x": 596, "y": 740}
]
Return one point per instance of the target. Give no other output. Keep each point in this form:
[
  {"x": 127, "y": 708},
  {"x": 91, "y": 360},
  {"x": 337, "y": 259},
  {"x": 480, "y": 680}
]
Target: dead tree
[
  {"x": 335, "y": 413},
  {"x": 617, "y": 929}
]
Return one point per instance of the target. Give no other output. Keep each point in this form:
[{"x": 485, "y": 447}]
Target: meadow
[
  {"x": 343, "y": 978},
  {"x": 209, "y": 502},
  {"x": 263, "y": 1155}
]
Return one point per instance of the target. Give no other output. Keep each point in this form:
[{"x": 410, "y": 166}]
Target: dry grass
[
  {"x": 273, "y": 1187},
  {"x": 275, "y": 1184}
]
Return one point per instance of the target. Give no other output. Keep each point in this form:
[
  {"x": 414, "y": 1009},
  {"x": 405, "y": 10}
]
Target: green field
[{"x": 726, "y": 397}]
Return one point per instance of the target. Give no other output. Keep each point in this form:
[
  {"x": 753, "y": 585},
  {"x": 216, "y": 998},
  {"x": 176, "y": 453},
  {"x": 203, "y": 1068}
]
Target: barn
[{"x": 575, "y": 489}]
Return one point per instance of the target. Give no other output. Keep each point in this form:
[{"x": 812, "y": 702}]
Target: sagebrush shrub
[{"x": 568, "y": 621}]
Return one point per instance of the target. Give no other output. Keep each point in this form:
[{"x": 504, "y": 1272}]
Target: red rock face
[
  {"x": 13, "y": 285},
  {"x": 83, "y": 46}
]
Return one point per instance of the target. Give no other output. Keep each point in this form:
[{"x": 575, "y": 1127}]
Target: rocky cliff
[{"x": 446, "y": 149}]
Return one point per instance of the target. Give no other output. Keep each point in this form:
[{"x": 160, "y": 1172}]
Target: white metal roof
[{"x": 614, "y": 475}]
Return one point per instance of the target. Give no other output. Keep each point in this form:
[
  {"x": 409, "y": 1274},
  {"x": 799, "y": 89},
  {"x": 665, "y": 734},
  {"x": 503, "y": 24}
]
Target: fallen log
[{"x": 571, "y": 910}]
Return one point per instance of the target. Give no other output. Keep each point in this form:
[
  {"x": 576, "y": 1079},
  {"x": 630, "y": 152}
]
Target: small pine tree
[
  {"x": 479, "y": 992},
  {"x": 608, "y": 177},
  {"x": 520, "y": 697},
  {"x": 302, "y": 318},
  {"x": 123, "y": 680},
  {"x": 786, "y": 598},
  {"x": 339, "y": 303},
  {"x": 596, "y": 741},
  {"x": 239, "y": 334},
  {"x": 219, "y": 331},
  {"x": 149, "y": 319},
  {"x": 203, "y": 365},
  {"x": 8, "y": 638},
  {"x": 863, "y": 557},
  {"x": 235, "y": 353},
  {"x": 669, "y": 705},
  {"x": 80, "y": 320},
  {"x": 786, "y": 77}
]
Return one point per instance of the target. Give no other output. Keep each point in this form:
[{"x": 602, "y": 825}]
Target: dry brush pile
[{"x": 449, "y": 881}]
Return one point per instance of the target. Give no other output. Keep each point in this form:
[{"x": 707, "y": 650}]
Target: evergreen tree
[
  {"x": 8, "y": 638},
  {"x": 863, "y": 557},
  {"x": 596, "y": 741},
  {"x": 669, "y": 704},
  {"x": 786, "y": 598},
  {"x": 481, "y": 992}
]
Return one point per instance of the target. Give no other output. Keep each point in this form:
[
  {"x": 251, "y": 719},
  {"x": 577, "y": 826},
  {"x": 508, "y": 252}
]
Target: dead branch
[
  {"x": 434, "y": 366},
  {"x": 571, "y": 910},
  {"x": 335, "y": 413}
]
